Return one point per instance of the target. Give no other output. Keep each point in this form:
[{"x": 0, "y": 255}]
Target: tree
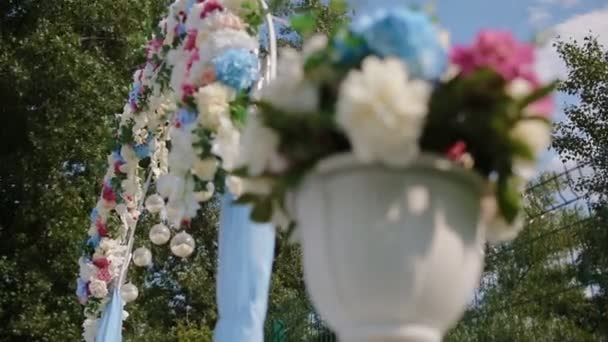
[
  {"x": 583, "y": 137},
  {"x": 530, "y": 290},
  {"x": 65, "y": 69}
]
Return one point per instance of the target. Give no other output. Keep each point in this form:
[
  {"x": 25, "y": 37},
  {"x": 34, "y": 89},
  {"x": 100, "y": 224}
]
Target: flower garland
[
  {"x": 213, "y": 71},
  {"x": 205, "y": 56},
  {"x": 139, "y": 138},
  {"x": 388, "y": 87}
]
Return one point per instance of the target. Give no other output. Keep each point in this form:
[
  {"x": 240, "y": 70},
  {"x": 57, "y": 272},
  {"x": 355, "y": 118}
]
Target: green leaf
[
  {"x": 262, "y": 211},
  {"x": 304, "y": 24},
  {"x": 509, "y": 197},
  {"x": 538, "y": 94}
]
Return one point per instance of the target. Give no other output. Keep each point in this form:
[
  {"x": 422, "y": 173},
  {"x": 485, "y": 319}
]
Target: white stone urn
[{"x": 390, "y": 254}]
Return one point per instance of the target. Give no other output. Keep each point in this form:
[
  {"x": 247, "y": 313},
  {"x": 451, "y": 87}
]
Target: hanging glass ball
[
  {"x": 182, "y": 245},
  {"x": 155, "y": 203},
  {"x": 160, "y": 234},
  {"x": 142, "y": 257},
  {"x": 129, "y": 292}
]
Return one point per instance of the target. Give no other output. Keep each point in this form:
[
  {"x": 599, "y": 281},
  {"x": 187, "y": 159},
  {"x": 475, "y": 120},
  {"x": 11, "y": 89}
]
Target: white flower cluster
[{"x": 211, "y": 28}]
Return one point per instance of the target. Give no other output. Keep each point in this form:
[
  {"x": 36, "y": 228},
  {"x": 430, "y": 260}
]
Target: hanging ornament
[
  {"x": 142, "y": 257},
  {"x": 160, "y": 234},
  {"x": 155, "y": 203},
  {"x": 182, "y": 245},
  {"x": 129, "y": 292}
]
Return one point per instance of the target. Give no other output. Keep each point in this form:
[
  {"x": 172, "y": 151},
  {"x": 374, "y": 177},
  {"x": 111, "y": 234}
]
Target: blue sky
[{"x": 522, "y": 17}]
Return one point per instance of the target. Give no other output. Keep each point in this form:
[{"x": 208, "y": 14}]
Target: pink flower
[
  {"x": 101, "y": 262},
  {"x": 208, "y": 76},
  {"x": 456, "y": 151},
  {"x": 104, "y": 274},
  {"x": 543, "y": 107},
  {"x": 108, "y": 194},
  {"x": 193, "y": 58},
  {"x": 497, "y": 50},
  {"x": 210, "y": 7},
  {"x": 117, "y": 166},
  {"x": 102, "y": 229},
  {"x": 154, "y": 45},
  {"x": 188, "y": 90},
  {"x": 191, "y": 40}
]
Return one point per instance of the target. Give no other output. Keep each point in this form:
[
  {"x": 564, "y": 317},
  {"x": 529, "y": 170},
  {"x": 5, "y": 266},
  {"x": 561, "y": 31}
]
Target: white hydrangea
[
  {"x": 382, "y": 112},
  {"x": 88, "y": 271},
  {"x": 182, "y": 154},
  {"x": 290, "y": 91},
  {"x": 224, "y": 39},
  {"x": 98, "y": 288},
  {"x": 259, "y": 147},
  {"x": 220, "y": 20}
]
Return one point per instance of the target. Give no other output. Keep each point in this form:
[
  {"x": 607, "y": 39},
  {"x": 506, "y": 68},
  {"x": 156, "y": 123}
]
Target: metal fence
[{"x": 550, "y": 284}]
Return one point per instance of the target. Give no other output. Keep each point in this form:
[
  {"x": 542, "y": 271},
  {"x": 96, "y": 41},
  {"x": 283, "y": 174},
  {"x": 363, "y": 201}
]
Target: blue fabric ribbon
[
  {"x": 246, "y": 253},
  {"x": 109, "y": 328}
]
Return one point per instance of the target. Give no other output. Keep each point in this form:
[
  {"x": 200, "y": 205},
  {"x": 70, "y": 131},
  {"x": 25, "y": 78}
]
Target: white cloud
[
  {"x": 562, "y": 3},
  {"x": 549, "y": 65},
  {"x": 539, "y": 13}
]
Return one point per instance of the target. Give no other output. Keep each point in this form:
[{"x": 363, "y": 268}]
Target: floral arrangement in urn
[{"x": 388, "y": 88}]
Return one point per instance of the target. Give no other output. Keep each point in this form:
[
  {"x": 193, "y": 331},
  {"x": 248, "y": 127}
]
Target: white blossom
[
  {"x": 258, "y": 147},
  {"x": 98, "y": 288},
  {"x": 382, "y": 112},
  {"x": 290, "y": 91}
]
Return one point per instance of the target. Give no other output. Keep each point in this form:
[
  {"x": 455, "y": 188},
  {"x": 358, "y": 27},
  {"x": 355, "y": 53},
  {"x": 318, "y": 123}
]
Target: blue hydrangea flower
[
  {"x": 94, "y": 241},
  {"x": 94, "y": 215},
  {"x": 236, "y": 68},
  {"x": 185, "y": 117},
  {"x": 81, "y": 289},
  {"x": 349, "y": 50},
  {"x": 144, "y": 150},
  {"x": 117, "y": 156},
  {"x": 405, "y": 34},
  {"x": 134, "y": 94}
]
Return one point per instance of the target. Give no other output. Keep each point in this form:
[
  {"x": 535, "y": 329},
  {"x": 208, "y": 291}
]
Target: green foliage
[
  {"x": 583, "y": 137},
  {"x": 307, "y": 17},
  {"x": 66, "y": 67},
  {"x": 530, "y": 290}
]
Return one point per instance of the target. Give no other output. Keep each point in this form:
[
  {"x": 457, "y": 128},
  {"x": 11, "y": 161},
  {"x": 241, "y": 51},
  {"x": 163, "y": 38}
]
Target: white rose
[
  {"x": 108, "y": 245},
  {"x": 89, "y": 329},
  {"x": 98, "y": 288},
  {"x": 258, "y": 147},
  {"x": 205, "y": 169},
  {"x": 519, "y": 88},
  {"x": 213, "y": 104},
  {"x": 536, "y": 134},
  {"x": 290, "y": 91},
  {"x": 313, "y": 44},
  {"x": 382, "y": 112}
]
